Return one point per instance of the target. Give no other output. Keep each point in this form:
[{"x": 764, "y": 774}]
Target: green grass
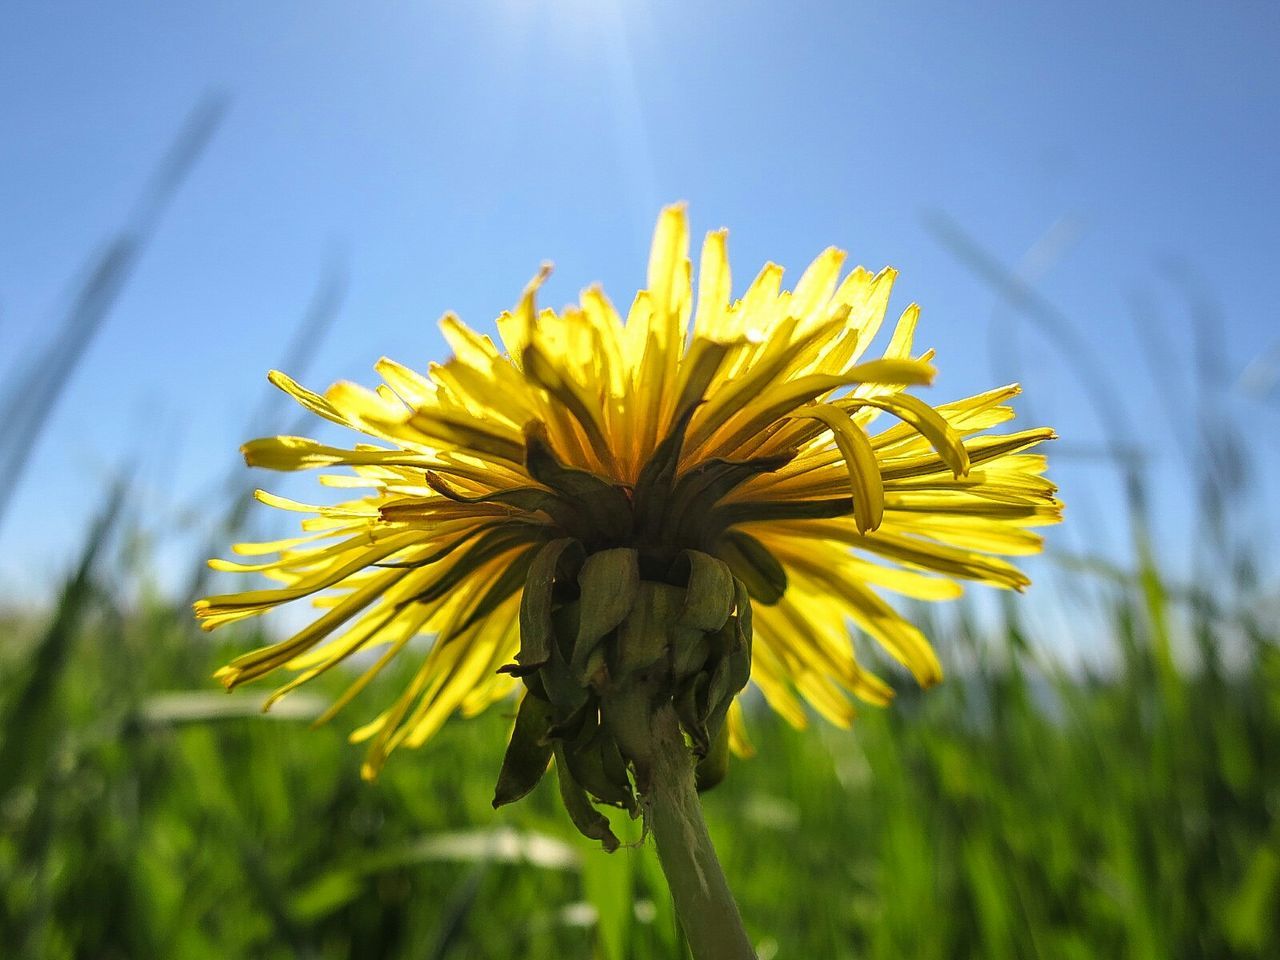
[{"x": 1015, "y": 811}]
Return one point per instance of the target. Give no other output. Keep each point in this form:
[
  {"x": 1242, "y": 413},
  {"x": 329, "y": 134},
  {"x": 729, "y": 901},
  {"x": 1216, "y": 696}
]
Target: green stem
[{"x": 708, "y": 914}]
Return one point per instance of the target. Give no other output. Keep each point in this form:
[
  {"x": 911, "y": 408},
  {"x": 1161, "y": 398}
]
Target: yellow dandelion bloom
[{"x": 714, "y": 472}]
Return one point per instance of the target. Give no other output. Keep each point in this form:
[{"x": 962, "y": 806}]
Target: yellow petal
[
  {"x": 817, "y": 284},
  {"x": 311, "y": 401},
  {"x": 715, "y": 286},
  {"x": 860, "y": 460},
  {"x": 928, "y": 422}
]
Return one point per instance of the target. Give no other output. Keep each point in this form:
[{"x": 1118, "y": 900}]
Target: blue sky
[{"x": 441, "y": 151}]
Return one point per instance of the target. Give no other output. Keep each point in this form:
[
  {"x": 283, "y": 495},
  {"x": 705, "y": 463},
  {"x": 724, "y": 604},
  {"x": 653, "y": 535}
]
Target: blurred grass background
[{"x": 1027, "y": 808}]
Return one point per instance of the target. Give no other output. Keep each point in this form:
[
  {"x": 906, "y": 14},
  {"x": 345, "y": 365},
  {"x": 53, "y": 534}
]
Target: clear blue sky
[{"x": 445, "y": 149}]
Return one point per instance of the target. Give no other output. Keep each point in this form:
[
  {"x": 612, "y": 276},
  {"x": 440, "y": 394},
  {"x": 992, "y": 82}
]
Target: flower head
[{"x": 702, "y": 492}]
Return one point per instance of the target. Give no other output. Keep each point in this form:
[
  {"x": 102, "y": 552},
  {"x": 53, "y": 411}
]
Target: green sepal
[
  {"x": 730, "y": 676},
  {"x": 697, "y": 492},
  {"x": 742, "y": 613},
  {"x": 653, "y": 486},
  {"x": 437, "y": 555},
  {"x": 750, "y": 511},
  {"x": 570, "y": 727},
  {"x": 552, "y": 562},
  {"x": 708, "y": 598},
  {"x": 753, "y": 564},
  {"x": 736, "y": 638},
  {"x": 609, "y": 582},
  {"x": 690, "y": 704},
  {"x": 488, "y": 545},
  {"x": 615, "y": 769},
  {"x": 689, "y": 652},
  {"x": 562, "y": 511},
  {"x": 605, "y": 505},
  {"x": 643, "y": 636},
  {"x": 535, "y": 364},
  {"x": 597, "y": 765},
  {"x": 591, "y": 823},
  {"x": 713, "y": 768},
  {"x": 507, "y": 582},
  {"x": 719, "y": 694},
  {"x": 593, "y": 672},
  {"x": 531, "y": 678},
  {"x": 563, "y": 689},
  {"x": 523, "y": 673},
  {"x": 527, "y": 754},
  {"x": 703, "y": 360}
]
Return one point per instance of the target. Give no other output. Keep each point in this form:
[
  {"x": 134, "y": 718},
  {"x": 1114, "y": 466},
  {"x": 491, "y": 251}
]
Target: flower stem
[{"x": 706, "y": 908}]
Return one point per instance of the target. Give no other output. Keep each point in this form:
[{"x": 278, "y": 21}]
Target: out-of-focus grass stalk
[
  {"x": 26, "y": 407},
  {"x": 235, "y": 489}
]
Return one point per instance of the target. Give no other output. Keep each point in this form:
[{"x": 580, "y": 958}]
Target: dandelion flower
[{"x": 615, "y": 513}]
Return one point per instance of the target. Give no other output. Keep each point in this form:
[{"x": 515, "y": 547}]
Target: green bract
[{"x": 644, "y": 602}]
